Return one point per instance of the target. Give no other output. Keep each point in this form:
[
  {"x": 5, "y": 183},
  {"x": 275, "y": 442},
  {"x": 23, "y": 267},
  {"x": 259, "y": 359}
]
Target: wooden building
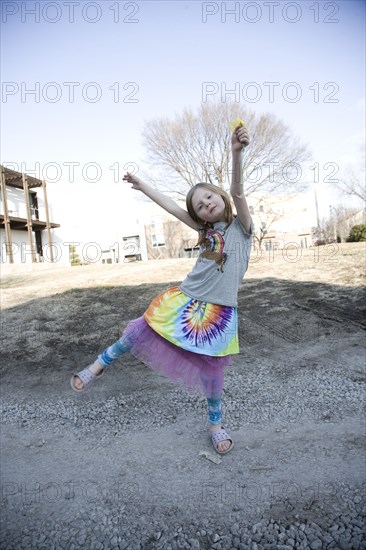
[{"x": 23, "y": 210}]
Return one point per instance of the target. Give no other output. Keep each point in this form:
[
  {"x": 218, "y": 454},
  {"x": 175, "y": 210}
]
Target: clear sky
[{"x": 100, "y": 71}]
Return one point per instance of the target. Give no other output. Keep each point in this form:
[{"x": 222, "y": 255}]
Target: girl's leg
[
  {"x": 106, "y": 358},
  {"x": 114, "y": 351},
  {"x": 213, "y": 382},
  {"x": 214, "y": 411}
]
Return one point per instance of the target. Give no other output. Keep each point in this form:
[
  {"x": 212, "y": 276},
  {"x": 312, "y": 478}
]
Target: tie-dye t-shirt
[{"x": 221, "y": 265}]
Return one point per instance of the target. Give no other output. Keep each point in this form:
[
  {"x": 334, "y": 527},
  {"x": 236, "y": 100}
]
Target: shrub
[{"x": 357, "y": 234}]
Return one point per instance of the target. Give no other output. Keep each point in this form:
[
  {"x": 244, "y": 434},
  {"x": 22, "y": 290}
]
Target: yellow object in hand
[{"x": 236, "y": 123}]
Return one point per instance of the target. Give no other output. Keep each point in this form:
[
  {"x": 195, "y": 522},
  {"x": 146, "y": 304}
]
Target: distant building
[
  {"x": 283, "y": 219},
  {"x": 154, "y": 235},
  {"x": 167, "y": 237},
  {"x": 26, "y": 230},
  {"x": 278, "y": 220}
]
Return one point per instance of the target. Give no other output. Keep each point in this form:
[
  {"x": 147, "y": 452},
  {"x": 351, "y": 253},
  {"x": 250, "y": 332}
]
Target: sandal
[
  {"x": 217, "y": 436},
  {"x": 86, "y": 376}
]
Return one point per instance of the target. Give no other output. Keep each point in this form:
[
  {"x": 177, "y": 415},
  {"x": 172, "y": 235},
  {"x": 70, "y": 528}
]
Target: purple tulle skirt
[{"x": 196, "y": 372}]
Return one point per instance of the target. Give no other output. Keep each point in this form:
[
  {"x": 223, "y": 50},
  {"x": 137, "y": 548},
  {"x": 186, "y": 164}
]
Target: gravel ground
[{"x": 129, "y": 463}]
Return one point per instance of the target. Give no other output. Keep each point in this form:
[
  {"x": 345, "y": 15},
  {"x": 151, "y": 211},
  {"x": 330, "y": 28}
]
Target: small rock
[
  {"x": 256, "y": 527},
  {"x": 211, "y": 457},
  {"x": 316, "y": 544},
  {"x": 344, "y": 544},
  {"x": 357, "y": 523},
  {"x": 355, "y": 542},
  {"x": 327, "y": 538}
]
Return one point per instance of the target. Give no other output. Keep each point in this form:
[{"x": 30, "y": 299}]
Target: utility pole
[
  {"x": 317, "y": 209},
  {"x": 333, "y": 221}
]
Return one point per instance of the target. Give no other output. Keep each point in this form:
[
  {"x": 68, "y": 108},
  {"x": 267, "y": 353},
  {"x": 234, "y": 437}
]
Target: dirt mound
[{"x": 120, "y": 467}]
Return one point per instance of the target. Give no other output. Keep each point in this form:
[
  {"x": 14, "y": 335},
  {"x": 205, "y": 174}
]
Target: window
[
  {"x": 261, "y": 209},
  {"x": 251, "y": 209},
  {"x": 157, "y": 232}
]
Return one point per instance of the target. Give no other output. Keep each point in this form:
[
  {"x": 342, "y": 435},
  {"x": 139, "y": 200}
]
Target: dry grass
[{"x": 338, "y": 264}]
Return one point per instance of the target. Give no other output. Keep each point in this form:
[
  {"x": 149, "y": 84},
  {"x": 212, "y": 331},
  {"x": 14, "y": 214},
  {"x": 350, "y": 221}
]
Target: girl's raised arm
[
  {"x": 239, "y": 140},
  {"x": 162, "y": 200}
]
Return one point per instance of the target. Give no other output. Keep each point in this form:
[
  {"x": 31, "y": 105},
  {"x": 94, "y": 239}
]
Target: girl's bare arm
[
  {"x": 162, "y": 200},
  {"x": 240, "y": 139}
]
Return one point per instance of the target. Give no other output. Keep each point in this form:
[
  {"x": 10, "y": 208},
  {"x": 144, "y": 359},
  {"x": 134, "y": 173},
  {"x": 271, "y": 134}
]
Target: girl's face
[{"x": 208, "y": 206}]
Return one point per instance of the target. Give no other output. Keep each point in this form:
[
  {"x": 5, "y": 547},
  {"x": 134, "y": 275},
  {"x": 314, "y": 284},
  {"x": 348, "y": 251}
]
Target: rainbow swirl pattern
[
  {"x": 216, "y": 241},
  {"x": 205, "y": 323},
  {"x": 196, "y": 326}
]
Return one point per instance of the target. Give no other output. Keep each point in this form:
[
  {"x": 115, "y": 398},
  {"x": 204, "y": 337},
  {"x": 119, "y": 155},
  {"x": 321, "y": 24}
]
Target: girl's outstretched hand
[
  {"x": 136, "y": 183},
  {"x": 239, "y": 139}
]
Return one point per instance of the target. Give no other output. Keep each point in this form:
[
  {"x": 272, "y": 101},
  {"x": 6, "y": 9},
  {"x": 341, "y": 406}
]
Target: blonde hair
[{"x": 229, "y": 216}]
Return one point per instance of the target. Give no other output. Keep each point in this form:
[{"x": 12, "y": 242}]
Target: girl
[{"x": 189, "y": 333}]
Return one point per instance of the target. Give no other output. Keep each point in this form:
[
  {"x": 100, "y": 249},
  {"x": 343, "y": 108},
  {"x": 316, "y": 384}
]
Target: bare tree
[
  {"x": 325, "y": 232},
  {"x": 352, "y": 181},
  {"x": 339, "y": 223},
  {"x": 197, "y": 147},
  {"x": 266, "y": 219},
  {"x": 354, "y": 186}
]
